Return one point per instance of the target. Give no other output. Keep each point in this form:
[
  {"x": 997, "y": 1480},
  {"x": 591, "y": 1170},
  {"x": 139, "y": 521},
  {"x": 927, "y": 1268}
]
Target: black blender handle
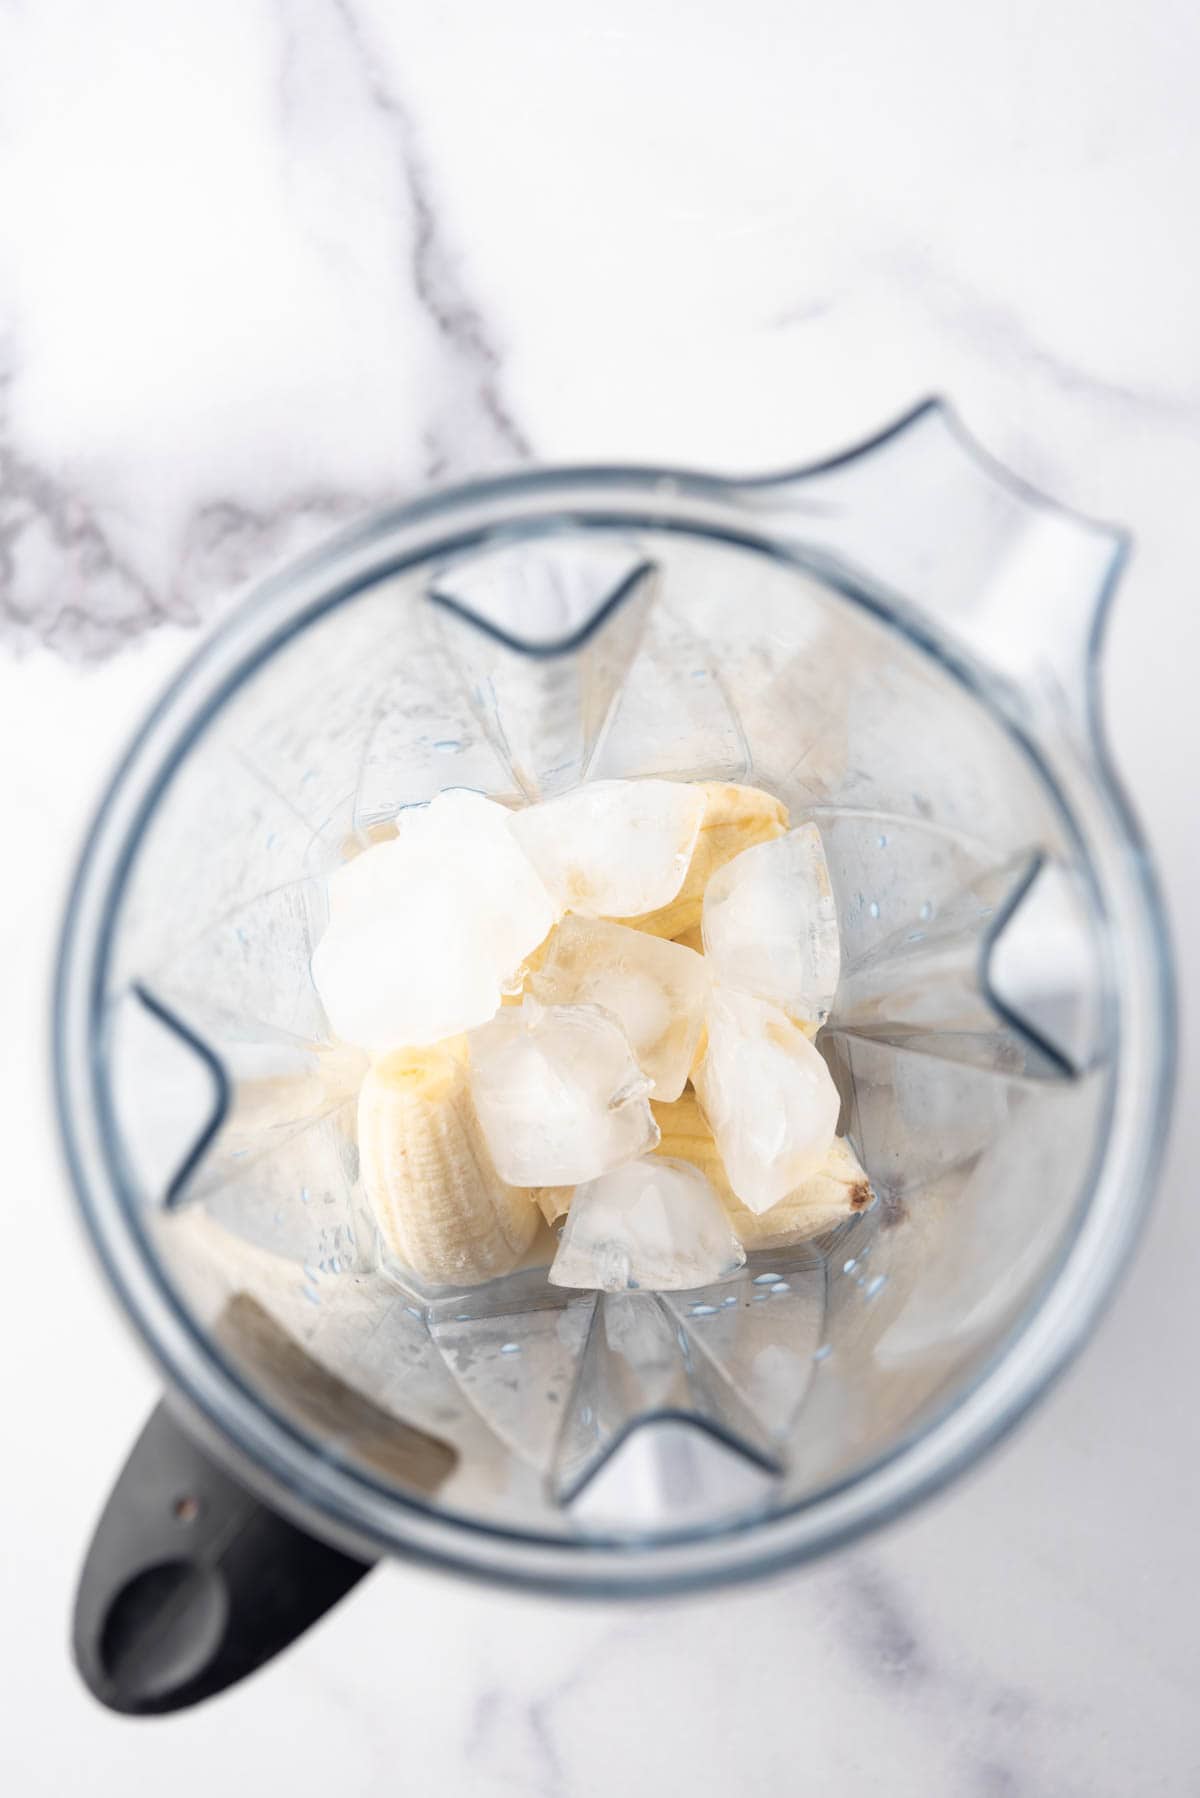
[{"x": 190, "y": 1582}]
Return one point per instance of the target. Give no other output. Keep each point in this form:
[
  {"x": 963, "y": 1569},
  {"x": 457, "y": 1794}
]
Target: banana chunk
[
  {"x": 685, "y": 1136},
  {"x": 552, "y": 1201},
  {"x": 838, "y": 1189},
  {"x": 442, "y": 1209},
  {"x": 735, "y": 818}
]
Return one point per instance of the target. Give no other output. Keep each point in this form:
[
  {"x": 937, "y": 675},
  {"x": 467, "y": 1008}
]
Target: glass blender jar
[{"x": 901, "y": 644}]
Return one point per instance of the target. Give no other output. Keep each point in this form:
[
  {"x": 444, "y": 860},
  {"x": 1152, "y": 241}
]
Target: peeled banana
[
  {"x": 685, "y": 1136},
  {"x": 735, "y": 818},
  {"x": 441, "y": 1208},
  {"x": 837, "y": 1190},
  {"x": 552, "y": 1201}
]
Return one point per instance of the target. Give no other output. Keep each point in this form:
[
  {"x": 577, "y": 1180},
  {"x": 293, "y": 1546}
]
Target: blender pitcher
[{"x": 901, "y": 645}]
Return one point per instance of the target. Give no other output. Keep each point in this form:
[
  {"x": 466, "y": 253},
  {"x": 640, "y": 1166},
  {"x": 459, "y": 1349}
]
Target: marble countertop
[{"x": 266, "y": 264}]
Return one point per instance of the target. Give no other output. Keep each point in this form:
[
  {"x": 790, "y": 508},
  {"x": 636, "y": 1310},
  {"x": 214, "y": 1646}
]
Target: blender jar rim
[{"x": 275, "y": 1455}]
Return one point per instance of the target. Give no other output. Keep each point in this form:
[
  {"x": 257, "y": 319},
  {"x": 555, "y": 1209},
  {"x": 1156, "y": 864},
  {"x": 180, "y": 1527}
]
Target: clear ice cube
[
  {"x": 428, "y": 930},
  {"x": 654, "y": 1224},
  {"x": 656, "y": 990},
  {"x": 614, "y": 848},
  {"x": 770, "y": 925},
  {"x": 558, "y": 1094},
  {"x": 768, "y": 1096}
]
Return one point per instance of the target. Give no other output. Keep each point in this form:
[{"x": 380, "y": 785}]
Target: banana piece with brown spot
[{"x": 837, "y": 1190}]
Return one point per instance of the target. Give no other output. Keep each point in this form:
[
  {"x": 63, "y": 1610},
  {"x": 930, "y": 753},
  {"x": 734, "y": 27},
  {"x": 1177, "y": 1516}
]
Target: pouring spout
[{"x": 958, "y": 543}]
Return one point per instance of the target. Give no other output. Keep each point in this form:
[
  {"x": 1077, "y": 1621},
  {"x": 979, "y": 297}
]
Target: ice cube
[
  {"x": 508, "y": 900},
  {"x": 654, "y": 1224},
  {"x": 427, "y": 930},
  {"x": 768, "y": 1096},
  {"x": 613, "y": 847},
  {"x": 735, "y": 818},
  {"x": 558, "y": 1093},
  {"x": 656, "y": 991},
  {"x": 770, "y": 927}
]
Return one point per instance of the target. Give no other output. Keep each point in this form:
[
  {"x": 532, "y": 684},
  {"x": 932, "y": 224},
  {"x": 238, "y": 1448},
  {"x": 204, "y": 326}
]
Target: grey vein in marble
[
  {"x": 537, "y": 1721},
  {"x": 42, "y": 520},
  {"x": 879, "y": 1630},
  {"x": 999, "y": 329},
  {"x": 883, "y": 1636},
  {"x": 436, "y": 282},
  {"x": 66, "y": 584}
]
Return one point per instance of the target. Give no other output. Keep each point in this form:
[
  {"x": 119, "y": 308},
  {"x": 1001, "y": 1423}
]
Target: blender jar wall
[{"x": 985, "y": 1149}]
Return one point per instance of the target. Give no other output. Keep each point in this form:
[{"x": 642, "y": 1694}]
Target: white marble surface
[{"x": 264, "y": 265}]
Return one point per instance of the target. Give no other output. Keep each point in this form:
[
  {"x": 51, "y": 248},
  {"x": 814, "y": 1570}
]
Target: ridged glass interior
[{"x": 968, "y": 1037}]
